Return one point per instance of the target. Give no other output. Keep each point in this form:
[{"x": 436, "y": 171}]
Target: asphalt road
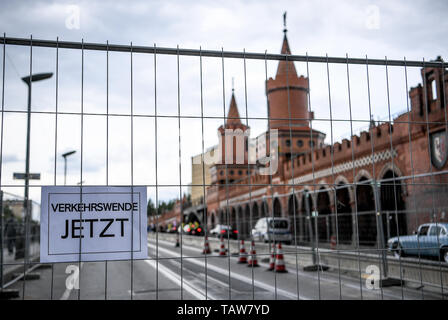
[{"x": 195, "y": 276}]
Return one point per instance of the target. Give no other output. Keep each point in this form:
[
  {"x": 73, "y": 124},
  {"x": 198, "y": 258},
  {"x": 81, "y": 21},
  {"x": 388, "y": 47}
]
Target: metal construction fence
[{"x": 352, "y": 205}]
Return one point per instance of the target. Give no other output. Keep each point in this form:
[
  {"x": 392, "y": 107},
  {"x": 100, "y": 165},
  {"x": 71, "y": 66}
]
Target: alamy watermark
[
  {"x": 373, "y": 17},
  {"x": 73, "y": 19},
  {"x": 72, "y": 281},
  {"x": 373, "y": 277}
]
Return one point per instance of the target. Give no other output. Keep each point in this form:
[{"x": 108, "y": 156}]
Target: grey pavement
[
  {"x": 196, "y": 276},
  {"x": 10, "y": 264}
]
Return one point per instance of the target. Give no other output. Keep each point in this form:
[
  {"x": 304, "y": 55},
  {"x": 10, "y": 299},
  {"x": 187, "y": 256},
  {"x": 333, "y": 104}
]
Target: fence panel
[{"x": 306, "y": 178}]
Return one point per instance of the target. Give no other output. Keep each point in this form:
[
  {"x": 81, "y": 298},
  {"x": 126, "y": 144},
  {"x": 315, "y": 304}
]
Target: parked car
[
  {"x": 172, "y": 229},
  {"x": 193, "y": 229},
  {"x": 196, "y": 230},
  {"x": 225, "y": 231},
  {"x": 272, "y": 229},
  {"x": 431, "y": 240},
  {"x": 184, "y": 229}
]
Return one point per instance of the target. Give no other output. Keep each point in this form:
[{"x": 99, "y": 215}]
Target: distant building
[
  {"x": 200, "y": 176},
  {"x": 329, "y": 187},
  {"x": 16, "y": 207}
]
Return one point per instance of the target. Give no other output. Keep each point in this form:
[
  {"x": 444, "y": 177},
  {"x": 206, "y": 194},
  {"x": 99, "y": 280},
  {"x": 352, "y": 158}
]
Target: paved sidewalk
[{"x": 10, "y": 264}]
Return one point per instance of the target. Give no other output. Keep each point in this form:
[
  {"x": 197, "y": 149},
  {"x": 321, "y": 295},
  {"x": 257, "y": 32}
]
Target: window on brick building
[
  {"x": 434, "y": 90},
  {"x": 288, "y": 143},
  {"x": 300, "y": 143}
]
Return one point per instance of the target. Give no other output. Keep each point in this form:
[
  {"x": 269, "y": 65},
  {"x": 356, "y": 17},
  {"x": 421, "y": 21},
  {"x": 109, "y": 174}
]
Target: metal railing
[{"x": 356, "y": 190}]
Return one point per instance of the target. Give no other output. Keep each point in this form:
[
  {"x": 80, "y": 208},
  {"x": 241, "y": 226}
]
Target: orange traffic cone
[
  {"x": 243, "y": 255},
  {"x": 279, "y": 263},
  {"x": 222, "y": 250},
  {"x": 272, "y": 258},
  {"x": 253, "y": 256},
  {"x": 333, "y": 242},
  {"x": 206, "y": 246}
]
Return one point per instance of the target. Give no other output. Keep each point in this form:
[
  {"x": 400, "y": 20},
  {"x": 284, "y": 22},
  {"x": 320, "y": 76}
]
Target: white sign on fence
[{"x": 97, "y": 223}]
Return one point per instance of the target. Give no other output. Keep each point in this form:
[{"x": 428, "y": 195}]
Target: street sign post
[{"x": 22, "y": 176}]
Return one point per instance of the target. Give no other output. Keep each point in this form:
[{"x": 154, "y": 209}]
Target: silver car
[
  {"x": 431, "y": 240},
  {"x": 272, "y": 229}
]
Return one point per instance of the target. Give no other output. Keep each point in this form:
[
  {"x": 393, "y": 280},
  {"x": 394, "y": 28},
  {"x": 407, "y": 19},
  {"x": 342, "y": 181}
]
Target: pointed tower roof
[
  {"x": 233, "y": 117},
  {"x": 288, "y": 94},
  {"x": 286, "y": 67}
]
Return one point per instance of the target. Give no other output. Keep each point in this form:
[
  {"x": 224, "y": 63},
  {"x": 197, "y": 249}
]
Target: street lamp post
[
  {"x": 28, "y": 80},
  {"x": 65, "y": 155}
]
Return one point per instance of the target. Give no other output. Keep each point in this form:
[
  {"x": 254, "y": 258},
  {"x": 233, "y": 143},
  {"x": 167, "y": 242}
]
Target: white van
[{"x": 272, "y": 229}]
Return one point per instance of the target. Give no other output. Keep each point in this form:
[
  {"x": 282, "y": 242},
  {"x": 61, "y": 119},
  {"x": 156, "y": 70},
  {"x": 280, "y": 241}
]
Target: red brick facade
[{"x": 395, "y": 155}]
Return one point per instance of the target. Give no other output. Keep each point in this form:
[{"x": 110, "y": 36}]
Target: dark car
[
  {"x": 226, "y": 231},
  {"x": 172, "y": 229},
  {"x": 192, "y": 229},
  {"x": 196, "y": 230}
]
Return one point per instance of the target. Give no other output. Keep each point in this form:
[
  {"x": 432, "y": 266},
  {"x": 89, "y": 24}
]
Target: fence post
[
  {"x": 310, "y": 228},
  {"x": 1, "y": 239},
  {"x": 379, "y": 221},
  {"x": 385, "y": 281},
  {"x": 315, "y": 265}
]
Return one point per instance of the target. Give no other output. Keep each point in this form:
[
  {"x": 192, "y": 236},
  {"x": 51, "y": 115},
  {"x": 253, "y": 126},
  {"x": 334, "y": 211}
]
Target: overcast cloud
[{"x": 415, "y": 29}]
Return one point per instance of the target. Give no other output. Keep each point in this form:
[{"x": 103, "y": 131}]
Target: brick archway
[
  {"x": 223, "y": 217},
  {"x": 233, "y": 221},
  {"x": 247, "y": 222},
  {"x": 212, "y": 220},
  {"x": 324, "y": 223},
  {"x": 241, "y": 222},
  {"x": 344, "y": 214},
  {"x": 367, "y": 229},
  {"x": 342, "y": 180},
  {"x": 293, "y": 215},
  {"x": 305, "y": 218},
  {"x": 255, "y": 214},
  {"x": 277, "y": 208},
  {"x": 264, "y": 209},
  {"x": 392, "y": 205}
]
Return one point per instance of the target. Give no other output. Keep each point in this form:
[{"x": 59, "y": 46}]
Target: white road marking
[
  {"x": 310, "y": 276},
  {"x": 237, "y": 276},
  {"x": 187, "y": 285},
  {"x": 219, "y": 282}
]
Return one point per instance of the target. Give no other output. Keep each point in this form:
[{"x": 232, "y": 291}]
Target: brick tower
[
  {"x": 232, "y": 134},
  {"x": 288, "y": 108},
  {"x": 287, "y": 83},
  {"x": 234, "y": 140}
]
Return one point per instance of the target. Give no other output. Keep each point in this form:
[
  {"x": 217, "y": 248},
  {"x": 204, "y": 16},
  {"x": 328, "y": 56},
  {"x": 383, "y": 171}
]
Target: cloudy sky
[{"x": 396, "y": 29}]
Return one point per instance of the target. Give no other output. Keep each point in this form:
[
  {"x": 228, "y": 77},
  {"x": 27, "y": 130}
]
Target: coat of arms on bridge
[{"x": 439, "y": 148}]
